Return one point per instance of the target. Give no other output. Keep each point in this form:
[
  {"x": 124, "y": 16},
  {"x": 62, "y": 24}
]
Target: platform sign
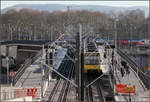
[
  {"x": 32, "y": 92},
  {"x": 21, "y": 92},
  {"x": 124, "y": 88},
  {"x": 27, "y": 92}
]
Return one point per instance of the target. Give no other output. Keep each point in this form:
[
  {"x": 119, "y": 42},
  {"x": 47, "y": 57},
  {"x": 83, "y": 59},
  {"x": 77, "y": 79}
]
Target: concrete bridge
[{"x": 21, "y": 50}]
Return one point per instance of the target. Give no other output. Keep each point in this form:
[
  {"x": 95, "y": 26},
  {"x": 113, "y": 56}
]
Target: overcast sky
[{"x": 5, "y": 4}]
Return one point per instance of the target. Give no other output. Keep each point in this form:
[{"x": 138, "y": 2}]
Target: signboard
[
  {"x": 123, "y": 88},
  {"x": 27, "y": 92},
  {"x": 32, "y": 92},
  {"x": 21, "y": 92}
]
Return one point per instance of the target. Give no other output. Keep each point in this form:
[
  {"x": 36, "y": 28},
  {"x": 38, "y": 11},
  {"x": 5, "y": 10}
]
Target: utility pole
[
  {"x": 0, "y": 66},
  {"x": 68, "y": 16},
  {"x": 149, "y": 38},
  {"x": 115, "y": 26},
  {"x": 113, "y": 54},
  {"x": 19, "y": 33},
  {"x": 79, "y": 66},
  {"x": 82, "y": 74},
  {"x": 149, "y": 23},
  {"x": 130, "y": 38},
  {"x": 51, "y": 33},
  {"x": 42, "y": 70}
]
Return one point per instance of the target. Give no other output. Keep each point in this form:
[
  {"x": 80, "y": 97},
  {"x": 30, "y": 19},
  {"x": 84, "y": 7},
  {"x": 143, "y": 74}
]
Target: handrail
[{"x": 26, "y": 64}]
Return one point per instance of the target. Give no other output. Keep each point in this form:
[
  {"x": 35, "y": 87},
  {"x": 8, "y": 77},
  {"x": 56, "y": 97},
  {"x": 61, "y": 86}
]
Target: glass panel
[{"x": 92, "y": 59}]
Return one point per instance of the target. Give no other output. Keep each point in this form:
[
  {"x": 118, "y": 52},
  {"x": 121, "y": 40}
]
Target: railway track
[
  {"x": 94, "y": 92},
  {"x": 100, "y": 91},
  {"x": 61, "y": 89},
  {"x": 65, "y": 91},
  {"x": 58, "y": 83},
  {"x": 88, "y": 91}
]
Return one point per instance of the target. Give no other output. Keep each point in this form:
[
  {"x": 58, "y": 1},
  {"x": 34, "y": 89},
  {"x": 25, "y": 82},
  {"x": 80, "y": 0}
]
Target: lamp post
[
  {"x": 114, "y": 67},
  {"x": 115, "y": 27},
  {"x": 130, "y": 38},
  {"x": 0, "y": 64}
]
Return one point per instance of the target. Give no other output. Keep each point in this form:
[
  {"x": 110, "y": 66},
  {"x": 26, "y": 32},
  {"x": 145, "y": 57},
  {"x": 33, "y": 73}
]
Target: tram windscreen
[{"x": 92, "y": 60}]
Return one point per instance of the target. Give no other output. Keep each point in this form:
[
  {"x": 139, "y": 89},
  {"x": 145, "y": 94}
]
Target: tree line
[{"x": 29, "y": 24}]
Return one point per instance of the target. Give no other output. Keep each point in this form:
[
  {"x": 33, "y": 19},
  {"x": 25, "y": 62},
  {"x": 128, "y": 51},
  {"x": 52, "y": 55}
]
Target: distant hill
[{"x": 58, "y": 7}]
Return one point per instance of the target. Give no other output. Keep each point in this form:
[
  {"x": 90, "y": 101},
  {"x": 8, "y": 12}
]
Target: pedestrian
[
  {"x": 123, "y": 63},
  {"x": 105, "y": 55},
  {"x": 127, "y": 69},
  {"x": 112, "y": 60},
  {"x": 122, "y": 71},
  {"x": 115, "y": 61}
]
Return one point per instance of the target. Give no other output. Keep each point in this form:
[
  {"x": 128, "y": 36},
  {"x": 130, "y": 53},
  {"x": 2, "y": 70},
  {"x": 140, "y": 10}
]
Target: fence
[{"x": 10, "y": 93}]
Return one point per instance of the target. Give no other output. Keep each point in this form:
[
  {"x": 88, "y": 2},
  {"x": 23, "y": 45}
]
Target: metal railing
[
  {"x": 26, "y": 64},
  {"x": 144, "y": 78},
  {"x": 36, "y": 42}
]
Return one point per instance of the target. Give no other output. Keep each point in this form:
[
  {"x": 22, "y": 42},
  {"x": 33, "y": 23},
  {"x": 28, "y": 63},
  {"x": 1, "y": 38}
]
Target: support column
[
  {"x": 79, "y": 67},
  {"x": 43, "y": 61},
  {"x": 82, "y": 75},
  {"x": 77, "y": 64},
  {"x": 0, "y": 67}
]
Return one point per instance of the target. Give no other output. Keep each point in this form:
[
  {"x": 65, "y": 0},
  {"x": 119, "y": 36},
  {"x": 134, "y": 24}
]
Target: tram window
[
  {"x": 96, "y": 60},
  {"x": 91, "y": 60},
  {"x": 87, "y": 61}
]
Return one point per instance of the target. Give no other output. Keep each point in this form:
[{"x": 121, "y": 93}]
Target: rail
[
  {"x": 144, "y": 78},
  {"x": 100, "y": 91},
  {"x": 62, "y": 88},
  {"x": 26, "y": 64}
]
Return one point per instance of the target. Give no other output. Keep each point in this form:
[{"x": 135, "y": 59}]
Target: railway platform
[{"x": 141, "y": 94}]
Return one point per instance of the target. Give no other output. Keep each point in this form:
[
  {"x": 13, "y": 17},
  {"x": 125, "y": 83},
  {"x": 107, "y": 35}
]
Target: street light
[
  {"x": 115, "y": 26},
  {"x": 0, "y": 64},
  {"x": 130, "y": 37}
]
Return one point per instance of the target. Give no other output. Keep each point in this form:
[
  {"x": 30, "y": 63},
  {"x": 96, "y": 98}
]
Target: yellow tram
[{"x": 92, "y": 62}]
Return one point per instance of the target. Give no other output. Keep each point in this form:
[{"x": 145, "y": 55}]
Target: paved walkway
[{"x": 32, "y": 77}]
